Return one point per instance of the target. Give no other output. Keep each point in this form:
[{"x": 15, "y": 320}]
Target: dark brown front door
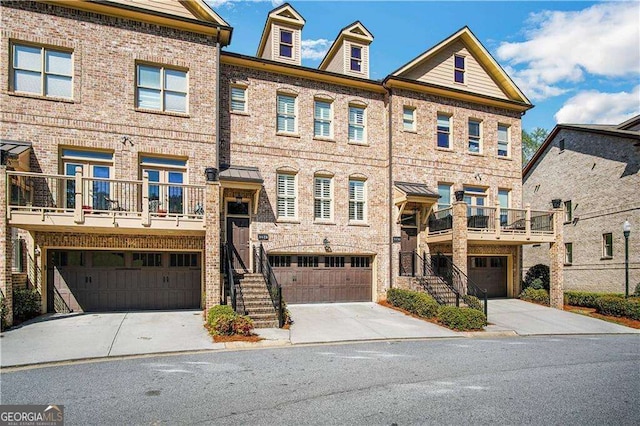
[
  {"x": 408, "y": 244},
  {"x": 489, "y": 273},
  {"x": 238, "y": 238}
]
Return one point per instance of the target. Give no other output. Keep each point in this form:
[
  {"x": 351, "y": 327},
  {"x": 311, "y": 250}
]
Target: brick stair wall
[{"x": 257, "y": 301}]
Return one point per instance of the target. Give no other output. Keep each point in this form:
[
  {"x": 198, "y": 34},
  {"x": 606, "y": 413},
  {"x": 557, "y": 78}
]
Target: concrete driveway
[
  {"x": 57, "y": 337},
  {"x": 336, "y": 322},
  {"x": 528, "y": 319}
]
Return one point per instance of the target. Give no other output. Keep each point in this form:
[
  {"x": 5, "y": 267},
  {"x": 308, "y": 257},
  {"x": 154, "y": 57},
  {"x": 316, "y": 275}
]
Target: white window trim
[
  {"x": 360, "y": 60},
  {"x": 295, "y": 114},
  {"x": 451, "y": 195},
  {"x": 43, "y": 72},
  {"x": 162, "y": 69},
  {"x": 604, "y": 246},
  {"x": 480, "y": 138},
  {"x": 245, "y": 89},
  {"x": 568, "y": 261},
  {"x": 508, "y": 141},
  {"x": 464, "y": 70},
  {"x": 413, "y": 119},
  {"x": 281, "y": 43},
  {"x": 363, "y": 201},
  {"x": 330, "y": 120},
  {"x": 364, "y": 124},
  {"x": 321, "y": 198},
  {"x": 450, "y": 133},
  {"x": 294, "y": 197}
]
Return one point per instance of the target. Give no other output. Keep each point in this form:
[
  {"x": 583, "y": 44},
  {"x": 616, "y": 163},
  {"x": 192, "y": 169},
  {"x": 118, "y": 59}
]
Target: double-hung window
[
  {"x": 286, "y": 114},
  {"x": 503, "y": 141},
  {"x": 459, "y": 69},
  {"x": 444, "y": 191},
  {"x": 475, "y": 139},
  {"x": 503, "y": 199},
  {"x": 568, "y": 211},
  {"x": 357, "y": 197},
  {"x": 355, "y": 63},
  {"x": 607, "y": 245},
  {"x": 162, "y": 89},
  {"x": 286, "y": 195},
  {"x": 444, "y": 131},
  {"x": 322, "y": 119},
  {"x": 409, "y": 118},
  {"x": 238, "y": 99},
  {"x": 322, "y": 198},
  {"x": 568, "y": 253},
  {"x": 166, "y": 190},
  {"x": 356, "y": 124},
  {"x": 42, "y": 71},
  {"x": 286, "y": 44}
]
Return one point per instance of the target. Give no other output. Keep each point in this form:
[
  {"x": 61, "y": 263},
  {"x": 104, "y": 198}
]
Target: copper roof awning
[
  {"x": 242, "y": 177},
  {"x": 419, "y": 195}
]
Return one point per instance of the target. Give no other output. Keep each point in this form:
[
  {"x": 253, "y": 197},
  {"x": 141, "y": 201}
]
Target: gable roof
[
  {"x": 355, "y": 30},
  {"x": 284, "y": 13},
  {"x": 630, "y": 123},
  {"x": 190, "y": 15},
  {"x": 601, "y": 129},
  {"x": 484, "y": 58}
]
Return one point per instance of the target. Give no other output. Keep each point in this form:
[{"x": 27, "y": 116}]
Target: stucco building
[{"x": 592, "y": 170}]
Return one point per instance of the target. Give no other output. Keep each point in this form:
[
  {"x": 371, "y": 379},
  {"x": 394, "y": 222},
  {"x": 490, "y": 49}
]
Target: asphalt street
[{"x": 587, "y": 380}]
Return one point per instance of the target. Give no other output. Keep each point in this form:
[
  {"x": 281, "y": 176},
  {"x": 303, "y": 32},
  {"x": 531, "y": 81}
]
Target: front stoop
[
  {"x": 436, "y": 287},
  {"x": 257, "y": 301}
]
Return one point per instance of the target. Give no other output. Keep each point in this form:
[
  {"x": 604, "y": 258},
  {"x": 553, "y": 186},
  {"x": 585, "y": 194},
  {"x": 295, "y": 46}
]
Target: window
[
  {"x": 104, "y": 259},
  {"x": 356, "y": 59},
  {"x": 308, "y": 261},
  {"x": 503, "y": 141},
  {"x": 183, "y": 259},
  {"x": 322, "y": 198},
  {"x": 356, "y": 124},
  {"x": 444, "y": 131},
  {"x": 147, "y": 259},
  {"x": 357, "y": 200},
  {"x": 96, "y": 167},
  {"x": 286, "y": 114},
  {"x": 42, "y": 71},
  {"x": 334, "y": 261},
  {"x": 607, "y": 245},
  {"x": 238, "y": 99},
  {"x": 458, "y": 72},
  {"x": 166, "y": 180},
  {"x": 286, "y": 44},
  {"x": 503, "y": 199},
  {"x": 161, "y": 89},
  {"x": 444, "y": 191},
  {"x": 409, "y": 118},
  {"x": 475, "y": 199},
  {"x": 286, "y": 196},
  {"x": 359, "y": 262},
  {"x": 279, "y": 261},
  {"x": 322, "y": 119},
  {"x": 568, "y": 211},
  {"x": 475, "y": 142},
  {"x": 561, "y": 145},
  {"x": 568, "y": 253}
]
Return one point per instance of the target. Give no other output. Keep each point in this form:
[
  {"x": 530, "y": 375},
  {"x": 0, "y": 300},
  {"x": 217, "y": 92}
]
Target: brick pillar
[
  {"x": 6, "y": 249},
  {"x": 212, "y": 244},
  {"x": 459, "y": 242},
  {"x": 556, "y": 254}
]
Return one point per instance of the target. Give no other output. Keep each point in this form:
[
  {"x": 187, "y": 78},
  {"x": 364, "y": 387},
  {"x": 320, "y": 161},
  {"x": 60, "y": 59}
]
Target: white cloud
[
  {"x": 315, "y": 49},
  {"x": 216, "y": 4},
  {"x": 560, "y": 47},
  {"x": 593, "y": 107},
  {"x": 276, "y": 3}
]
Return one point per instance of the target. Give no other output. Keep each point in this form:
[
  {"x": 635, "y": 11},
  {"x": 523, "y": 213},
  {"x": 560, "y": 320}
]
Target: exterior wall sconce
[
  {"x": 211, "y": 173},
  {"x": 459, "y": 195},
  {"x": 238, "y": 199},
  {"x": 556, "y": 203},
  {"x": 327, "y": 248}
]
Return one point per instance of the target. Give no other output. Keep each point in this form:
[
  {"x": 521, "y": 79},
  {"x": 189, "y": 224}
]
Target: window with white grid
[
  {"x": 239, "y": 99},
  {"x": 356, "y": 124},
  {"x": 322, "y": 119},
  {"x": 357, "y": 198},
  {"x": 286, "y": 113},
  {"x": 322, "y": 198},
  {"x": 286, "y": 195},
  {"x": 42, "y": 71}
]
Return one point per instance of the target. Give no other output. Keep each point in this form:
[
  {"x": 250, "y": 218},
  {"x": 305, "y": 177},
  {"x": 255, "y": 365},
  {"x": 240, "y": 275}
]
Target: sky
[{"x": 576, "y": 61}]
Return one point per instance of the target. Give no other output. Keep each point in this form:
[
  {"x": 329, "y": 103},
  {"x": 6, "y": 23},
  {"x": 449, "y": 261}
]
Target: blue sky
[{"x": 578, "y": 62}]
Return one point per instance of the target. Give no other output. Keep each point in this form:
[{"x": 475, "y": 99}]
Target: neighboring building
[
  {"x": 113, "y": 111},
  {"x": 593, "y": 171}
]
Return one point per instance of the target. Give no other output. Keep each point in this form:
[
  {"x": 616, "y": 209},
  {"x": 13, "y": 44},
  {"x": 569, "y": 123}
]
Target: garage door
[
  {"x": 322, "y": 279},
  {"x": 490, "y": 273},
  {"x": 120, "y": 281}
]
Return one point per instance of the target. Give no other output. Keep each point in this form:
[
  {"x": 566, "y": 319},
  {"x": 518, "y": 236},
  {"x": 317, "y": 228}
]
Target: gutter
[{"x": 390, "y": 181}]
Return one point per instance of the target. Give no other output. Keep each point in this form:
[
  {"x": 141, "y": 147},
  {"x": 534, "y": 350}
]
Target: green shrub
[
  {"x": 585, "y": 299},
  {"x": 461, "y": 319},
  {"x": 540, "y": 272},
  {"x": 218, "y": 310},
  {"x": 633, "y": 308},
  {"x": 223, "y": 324},
  {"x": 26, "y": 304},
  {"x": 416, "y": 302},
  {"x": 3, "y": 314},
  {"x": 536, "y": 284},
  {"x": 537, "y": 296},
  {"x": 637, "y": 290},
  {"x": 611, "y": 305},
  {"x": 242, "y": 325},
  {"x": 223, "y": 320},
  {"x": 473, "y": 302}
]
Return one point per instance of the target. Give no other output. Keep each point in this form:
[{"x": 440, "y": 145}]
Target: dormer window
[
  {"x": 286, "y": 44},
  {"x": 459, "y": 69},
  {"x": 356, "y": 59}
]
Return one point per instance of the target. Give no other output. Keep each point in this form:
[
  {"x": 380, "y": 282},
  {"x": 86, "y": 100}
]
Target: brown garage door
[
  {"x": 322, "y": 279},
  {"x": 121, "y": 281},
  {"x": 490, "y": 273}
]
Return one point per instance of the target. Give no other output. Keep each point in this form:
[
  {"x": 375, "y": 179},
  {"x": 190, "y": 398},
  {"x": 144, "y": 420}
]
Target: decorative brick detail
[{"x": 120, "y": 242}]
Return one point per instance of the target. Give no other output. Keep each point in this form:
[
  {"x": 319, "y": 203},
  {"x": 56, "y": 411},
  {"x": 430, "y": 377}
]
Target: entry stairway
[{"x": 256, "y": 301}]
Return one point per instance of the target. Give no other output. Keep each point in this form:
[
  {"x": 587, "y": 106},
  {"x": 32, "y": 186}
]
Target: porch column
[
  {"x": 212, "y": 244},
  {"x": 6, "y": 252},
  {"x": 556, "y": 254},
  {"x": 459, "y": 234}
]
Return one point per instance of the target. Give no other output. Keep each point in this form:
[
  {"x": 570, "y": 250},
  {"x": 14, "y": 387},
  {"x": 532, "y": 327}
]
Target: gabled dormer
[
  {"x": 349, "y": 53},
  {"x": 281, "y": 37}
]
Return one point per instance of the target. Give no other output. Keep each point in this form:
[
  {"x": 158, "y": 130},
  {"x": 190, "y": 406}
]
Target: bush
[
  {"x": 242, "y": 325},
  {"x": 585, "y": 299},
  {"x": 637, "y": 291},
  {"x": 26, "y": 304},
  {"x": 540, "y": 272},
  {"x": 3, "y": 314},
  {"x": 217, "y": 311},
  {"x": 611, "y": 305},
  {"x": 223, "y": 324},
  {"x": 535, "y": 295},
  {"x": 461, "y": 319},
  {"x": 633, "y": 308},
  {"x": 473, "y": 303},
  {"x": 536, "y": 284},
  {"x": 222, "y": 320},
  {"x": 416, "y": 302}
]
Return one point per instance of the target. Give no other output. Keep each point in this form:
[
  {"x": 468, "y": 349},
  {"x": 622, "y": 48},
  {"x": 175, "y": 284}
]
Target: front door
[
  {"x": 238, "y": 239},
  {"x": 408, "y": 245}
]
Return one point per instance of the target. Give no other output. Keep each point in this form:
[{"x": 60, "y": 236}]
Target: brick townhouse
[{"x": 112, "y": 111}]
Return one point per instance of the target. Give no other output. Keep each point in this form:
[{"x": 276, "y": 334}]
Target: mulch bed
[
  {"x": 237, "y": 338},
  {"x": 591, "y": 312}
]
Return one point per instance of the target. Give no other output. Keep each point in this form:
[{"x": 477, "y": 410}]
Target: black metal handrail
[
  {"x": 237, "y": 302},
  {"x": 261, "y": 265},
  {"x": 414, "y": 265},
  {"x": 458, "y": 280}
]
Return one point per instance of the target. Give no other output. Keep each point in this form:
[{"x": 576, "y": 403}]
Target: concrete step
[{"x": 265, "y": 324}]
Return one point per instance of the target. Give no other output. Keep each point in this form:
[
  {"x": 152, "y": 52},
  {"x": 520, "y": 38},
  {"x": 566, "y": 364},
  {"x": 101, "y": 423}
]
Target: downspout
[
  {"x": 217, "y": 96},
  {"x": 390, "y": 180}
]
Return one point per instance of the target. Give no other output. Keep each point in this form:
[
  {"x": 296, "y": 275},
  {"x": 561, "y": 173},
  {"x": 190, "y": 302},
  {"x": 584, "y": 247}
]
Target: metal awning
[
  {"x": 14, "y": 150},
  {"x": 415, "y": 189},
  {"x": 414, "y": 194},
  {"x": 242, "y": 177}
]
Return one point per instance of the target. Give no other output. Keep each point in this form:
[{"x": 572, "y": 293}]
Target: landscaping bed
[
  {"x": 592, "y": 312},
  {"x": 225, "y": 325}
]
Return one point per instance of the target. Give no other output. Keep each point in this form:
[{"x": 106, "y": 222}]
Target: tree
[{"x": 531, "y": 141}]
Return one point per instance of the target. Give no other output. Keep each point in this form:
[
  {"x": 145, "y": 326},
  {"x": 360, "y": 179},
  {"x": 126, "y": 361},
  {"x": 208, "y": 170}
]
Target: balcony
[
  {"x": 495, "y": 225},
  {"x": 60, "y": 203}
]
